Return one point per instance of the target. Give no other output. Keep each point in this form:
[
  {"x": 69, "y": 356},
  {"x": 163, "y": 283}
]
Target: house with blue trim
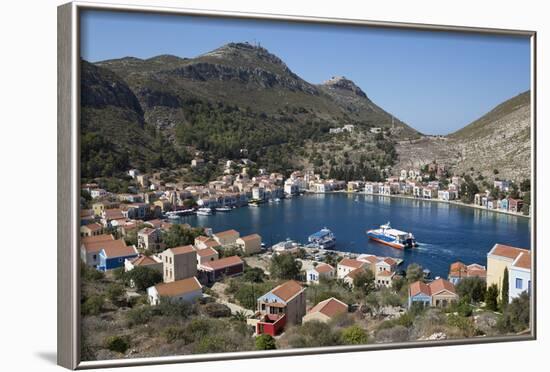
[{"x": 112, "y": 254}]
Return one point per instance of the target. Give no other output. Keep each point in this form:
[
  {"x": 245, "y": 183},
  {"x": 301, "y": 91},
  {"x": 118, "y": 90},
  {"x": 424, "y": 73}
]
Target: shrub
[
  {"x": 114, "y": 292},
  {"x": 143, "y": 277},
  {"x": 491, "y": 298},
  {"x": 354, "y": 335},
  {"x": 117, "y": 343},
  {"x": 516, "y": 316},
  {"x": 139, "y": 315},
  {"x": 313, "y": 334},
  {"x": 90, "y": 274},
  {"x": 474, "y": 288},
  {"x": 265, "y": 342},
  {"x": 92, "y": 305},
  {"x": 217, "y": 310},
  {"x": 173, "y": 333},
  {"x": 284, "y": 266},
  {"x": 462, "y": 323}
]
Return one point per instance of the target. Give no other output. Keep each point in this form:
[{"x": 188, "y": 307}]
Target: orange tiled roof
[
  {"x": 523, "y": 260},
  {"x": 287, "y": 290},
  {"x": 207, "y": 252},
  {"x": 349, "y": 262},
  {"x": 182, "y": 249},
  {"x": 507, "y": 251},
  {"x": 330, "y": 307},
  {"x": 324, "y": 268},
  {"x": 178, "y": 287},
  {"x": 223, "y": 263},
  {"x": 440, "y": 285}
]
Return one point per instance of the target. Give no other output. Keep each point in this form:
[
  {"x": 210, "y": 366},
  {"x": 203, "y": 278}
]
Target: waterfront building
[
  {"x": 499, "y": 258},
  {"x": 250, "y": 244},
  {"x": 520, "y": 276},
  {"x": 459, "y": 271},
  {"x": 347, "y": 265},
  {"x": 326, "y": 310},
  {"x": 315, "y": 274},
  {"x": 503, "y": 204},
  {"x": 179, "y": 263},
  {"x": 226, "y": 237},
  {"x": 515, "y": 205},
  {"x": 371, "y": 188},
  {"x": 383, "y": 278},
  {"x": 184, "y": 290},
  {"x": 502, "y": 185}
]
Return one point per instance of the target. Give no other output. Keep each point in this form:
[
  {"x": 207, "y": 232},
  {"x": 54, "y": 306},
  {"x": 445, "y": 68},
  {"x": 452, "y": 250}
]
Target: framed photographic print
[{"x": 236, "y": 185}]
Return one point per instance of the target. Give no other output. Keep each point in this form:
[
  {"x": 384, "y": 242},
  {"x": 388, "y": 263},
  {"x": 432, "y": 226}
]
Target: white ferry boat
[{"x": 392, "y": 237}]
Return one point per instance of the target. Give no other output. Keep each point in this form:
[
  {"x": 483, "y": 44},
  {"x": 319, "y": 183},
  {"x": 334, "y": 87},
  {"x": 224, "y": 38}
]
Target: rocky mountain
[
  {"x": 238, "y": 96},
  {"x": 498, "y": 144}
]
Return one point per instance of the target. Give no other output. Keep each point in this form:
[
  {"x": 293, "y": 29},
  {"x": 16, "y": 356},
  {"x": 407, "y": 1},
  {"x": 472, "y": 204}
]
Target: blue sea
[{"x": 445, "y": 233}]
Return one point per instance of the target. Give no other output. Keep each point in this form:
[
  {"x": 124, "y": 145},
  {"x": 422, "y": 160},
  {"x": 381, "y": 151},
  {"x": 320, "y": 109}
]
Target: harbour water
[{"x": 445, "y": 233}]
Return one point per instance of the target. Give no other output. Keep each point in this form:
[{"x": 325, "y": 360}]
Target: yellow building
[
  {"x": 499, "y": 258},
  {"x": 250, "y": 244}
]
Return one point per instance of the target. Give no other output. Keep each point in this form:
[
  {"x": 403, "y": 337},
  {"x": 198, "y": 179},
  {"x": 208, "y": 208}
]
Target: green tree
[
  {"x": 491, "y": 297},
  {"x": 354, "y": 335},
  {"x": 516, "y": 316},
  {"x": 253, "y": 274},
  {"x": 474, "y": 288},
  {"x": 414, "y": 273},
  {"x": 265, "y": 342},
  {"x": 364, "y": 282},
  {"x": 284, "y": 266},
  {"x": 179, "y": 235},
  {"x": 504, "y": 291},
  {"x": 143, "y": 277}
]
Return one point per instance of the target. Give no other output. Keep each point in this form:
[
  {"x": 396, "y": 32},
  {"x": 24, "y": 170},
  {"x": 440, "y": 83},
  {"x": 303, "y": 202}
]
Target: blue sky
[{"x": 436, "y": 82}]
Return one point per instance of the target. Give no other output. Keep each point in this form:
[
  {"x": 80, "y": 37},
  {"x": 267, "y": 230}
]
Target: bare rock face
[
  {"x": 435, "y": 337},
  {"x": 340, "y": 82},
  {"x": 496, "y": 145}
]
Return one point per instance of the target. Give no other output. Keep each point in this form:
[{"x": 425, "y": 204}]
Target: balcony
[{"x": 271, "y": 324}]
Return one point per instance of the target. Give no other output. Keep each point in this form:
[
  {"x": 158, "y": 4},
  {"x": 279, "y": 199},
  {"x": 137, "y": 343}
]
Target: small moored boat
[{"x": 204, "y": 212}]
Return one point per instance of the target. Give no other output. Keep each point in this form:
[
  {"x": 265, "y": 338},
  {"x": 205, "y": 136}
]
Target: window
[{"x": 519, "y": 283}]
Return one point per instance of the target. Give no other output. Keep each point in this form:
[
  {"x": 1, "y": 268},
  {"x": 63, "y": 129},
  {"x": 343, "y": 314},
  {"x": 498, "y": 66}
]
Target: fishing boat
[
  {"x": 323, "y": 239},
  {"x": 204, "y": 212},
  {"x": 223, "y": 209},
  {"x": 392, "y": 237}
]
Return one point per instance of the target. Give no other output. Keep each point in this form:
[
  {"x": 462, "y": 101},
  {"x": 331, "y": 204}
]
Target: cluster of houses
[{"x": 184, "y": 268}]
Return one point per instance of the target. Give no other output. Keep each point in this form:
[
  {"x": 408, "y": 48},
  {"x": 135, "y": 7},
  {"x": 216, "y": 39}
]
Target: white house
[
  {"x": 347, "y": 265},
  {"x": 185, "y": 290},
  {"x": 320, "y": 271},
  {"x": 520, "y": 276}
]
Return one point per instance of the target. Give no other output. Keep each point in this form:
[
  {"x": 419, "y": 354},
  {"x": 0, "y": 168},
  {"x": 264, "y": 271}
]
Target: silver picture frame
[{"x": 68, "y": 184}]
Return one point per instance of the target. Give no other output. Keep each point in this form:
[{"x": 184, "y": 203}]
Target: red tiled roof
[
  {"x": 352, "y": 274},
  {"x": 523, "y": 260},
  {"x": 117, "y": 248},
  {"x": 94, "y": 243},
  {"x": 143, "y": 260},
  {"x": 178, "y": 287},
  {"x": 223, "y": 263},
  {"x": 385, "y": 273},
  {"x": 183, "y": 249},
  {"x": 330, "y": 307},
  {"x": 440, "y": 285},
  {"x": 251, "y": 237},
  {"x": 93, "y": 227},
  {"x": 349, "y": 262},
  {"x": 419, "y": 287},
  {"x": 227, "y": 232},
  {"x": 390, "y": 261},
  {"x": 324, "y": 268},
  {"x": 287, "y": 290},
  {"x": 506, "y": 251},
  {"x": 206, "y": 252}
]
